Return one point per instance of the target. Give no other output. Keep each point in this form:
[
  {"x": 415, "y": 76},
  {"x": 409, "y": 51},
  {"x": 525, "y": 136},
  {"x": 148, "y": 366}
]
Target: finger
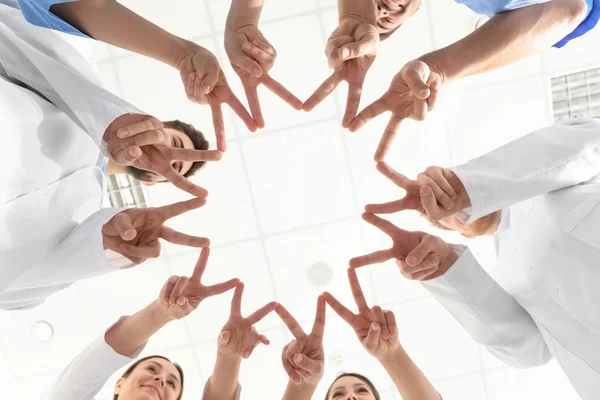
[
  {"x": 224, "y": 338},
  {"x": 339, "y": 308},
  {"x": 178, "y": 289},
  {"x": 379, "y": 316},
  {"x": 382, "y": 224},
  {"x": 390, "y": 320},
  {"x": 290, "y": 321},
  {"x": 179, "y": 154},
  {"x": 319, "y": 323},
  {"x": 421, "y": 275},
  {"x": 352, "y": 103},
  {"x": 218, "y": 125},
  {"x": 440, "y": 195},
  {"x": 371, "y": 342},
  {"x": 210, "y": 80},
  {"x": 241, "y": 112},
  {"x": 167, "y": 289},
  {"x": 375, "y": 257},
  {"x": 388, "y": 137},
  {"x": 219, "y": 288},
  {"x": 357, "y": 293},
  {"x": 181, "y": 207},
  {"x": 415, "y": 80},
  {"x": 395, "y": 176},
  {"x": 365, "y": 47},
  {"x": 200, "y": 265},
  {"x": 431, "y": 264},
  {"x": 189, "y": 86},
  {"x": 198, "y": 92},
  {"x": 322, "y": 92},
  {"x": 248, "y": 352},
  {"x": 248, "y": 64},
  {"x": 419, "y": 112},
  {"x": 265, "y": 46},
  {"x": 368, "y": 113},
  {"x": 290, "y": 370},
  {"x": 332, "y": 49},
  {"x": 236, "y": 301},
  {"x": 282, "y": 92},
  {"x": 254, "y": 104},
  {"x": 128, "y": 155},
  {"x": 261, "y": 313},
  {"x": 265, "y": 60},
  {"x": 307, "y": 364},
  {"x": 148, "y": 124},
  {"x": 151, "y": 250},
  {"x": 437, "y": 176},
  {"x": 417, "y": 255},
  {"x": 434, "y": 87},
  {"x": 182, "y": 239},
  {"x": 430, "y": 204},
  {"x": 387, "y": 208},
  {"x": 122, "y": 226},
  {"x": 145, "y": 139},
  {"x": 183, "y": 183}
]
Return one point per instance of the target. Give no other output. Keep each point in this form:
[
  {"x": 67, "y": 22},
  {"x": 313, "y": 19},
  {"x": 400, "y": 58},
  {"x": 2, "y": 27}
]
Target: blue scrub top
[{"x": 37, "y": 12}]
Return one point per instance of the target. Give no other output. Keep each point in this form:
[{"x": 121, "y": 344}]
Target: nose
[
  {"x": 381, "y": 12},
  {"x": 159, "y": 379}
]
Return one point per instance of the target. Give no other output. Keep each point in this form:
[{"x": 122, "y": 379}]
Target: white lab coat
[
  {"x": 544, "y": 300},
  {"x": 53, "y": 113}
]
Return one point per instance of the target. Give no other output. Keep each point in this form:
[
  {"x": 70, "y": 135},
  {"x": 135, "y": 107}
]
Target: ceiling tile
[{"x": 462, "y": 388}]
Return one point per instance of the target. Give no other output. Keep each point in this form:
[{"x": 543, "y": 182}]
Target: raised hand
[
  {"x": 303, "y": 358},
  {"x": 375, "y": 328},
  {"x": 350, "y": 50},
  {"x": 140, "y": 140},
  {"x": 412, "y": 94},
  {"x": 252, "y": 56},
  {"x": 181, "y": 295},
  {"x": 239, "y": 337},
  {"x": 205, "y": 83},
  {"x": 134, "y": 233},
  {"x": 420, "y": 256},
  {"x": 437, "y": 193}
]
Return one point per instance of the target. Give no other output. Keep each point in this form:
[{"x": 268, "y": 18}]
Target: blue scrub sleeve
[
  {"x": 590, "y": 21},
  {"x": 37, "y": 12}
]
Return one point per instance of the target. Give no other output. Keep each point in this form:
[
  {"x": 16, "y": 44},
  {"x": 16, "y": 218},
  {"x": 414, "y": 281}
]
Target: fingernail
[
  {"x": 246, "y": 354},
  {"x": 122, "y": 134},
  {"x": 345, "y": 53},
  {"x": 411, "y": 260},
  {"x": 206, "y": 89},
  {"x": 133, "y": 152},
  {"x": 425, "y": 192},
  {"x": 256, "y": 72},
  {"x": 374, "y": 326},
  {"x": 449, "y": 205},
  {"x": 247, "y": 46},
  {"x": 298, "y": 358}
]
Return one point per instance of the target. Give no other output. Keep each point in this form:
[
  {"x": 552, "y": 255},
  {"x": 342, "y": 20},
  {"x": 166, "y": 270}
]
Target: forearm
[
  {"x": 361, "y": 9},
  {"x": 507, "y": 38},
  {"x": 298, "y": 392},
  {"x": 134, "y": 331},
  {"x": 408, "y": 378},
  {"x": 110, "y": 22},
  {"x": 244, "y": 12},
  {"x": 223, "y": 384}
]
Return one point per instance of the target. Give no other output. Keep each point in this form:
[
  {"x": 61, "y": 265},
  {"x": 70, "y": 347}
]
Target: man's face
[
  {"x": 392, "y": 13},
  {"x": 180, "y": 140}
]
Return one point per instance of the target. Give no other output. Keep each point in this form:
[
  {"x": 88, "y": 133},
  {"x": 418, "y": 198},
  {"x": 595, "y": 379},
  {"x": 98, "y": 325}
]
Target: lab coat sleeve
[
  {"x": 488, "y": 313},
  {"x": 45, "y": 61},
  {"x": 552, "y": 158},
  {"x": 87, "y": 374}
]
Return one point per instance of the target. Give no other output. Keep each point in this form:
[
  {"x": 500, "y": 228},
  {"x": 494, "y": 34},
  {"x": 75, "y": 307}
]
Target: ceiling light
[
  {"x": 42, "y": 331},
  {"x": 320, "y": 274}
]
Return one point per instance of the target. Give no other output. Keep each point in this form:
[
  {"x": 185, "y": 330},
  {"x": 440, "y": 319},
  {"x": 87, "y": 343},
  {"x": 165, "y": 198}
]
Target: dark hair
[
  {"x": 358, "y": 376},
  {"x": 133, "y": 366},
  {"x": 197, "y": 138}
]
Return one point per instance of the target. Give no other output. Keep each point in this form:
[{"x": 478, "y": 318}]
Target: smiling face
[
  {"x": 350, "y": 388},
  {"x": 152, "y": 379},
  {"x": 392, "y": 13}
]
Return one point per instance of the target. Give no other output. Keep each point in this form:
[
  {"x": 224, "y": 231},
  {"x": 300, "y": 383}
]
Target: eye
[
  {"x": 363, "y": 390},
  {"x": 337, "y": 394},
  {"x": 152, "y": 369},
  {"x": 172, "y": 384}
]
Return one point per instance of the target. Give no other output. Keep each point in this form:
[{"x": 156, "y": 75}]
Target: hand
[
  {"x": 437, "y": 193},
  {"x": 205, "y": 83},
  {"x": 421, "y": 256},
  {"x": 252, "y": 56},
  {"x": 375, "y": 328},
  {"x": 238, "y": 337},
  {"x": 134, "y": 233},
  {"x": 350, "y": 50},
  {"x": 181, "y": 295},
  {"x": 140, "y": 140},
  {"x": 412, "y": 94},
  {"x": 303, "y": 358}
]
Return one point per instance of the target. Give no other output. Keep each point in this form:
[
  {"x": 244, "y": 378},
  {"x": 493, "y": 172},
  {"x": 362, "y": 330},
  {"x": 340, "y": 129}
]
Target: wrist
[
  {"x": 393, "y": 357},
  {"x": 156, "y": 311},
  {"x": 182, "y": 49},
  {"x": 244, "y": 14},
  {"x": 441, "y": 64},
  {"x": 463, "y": 197}
]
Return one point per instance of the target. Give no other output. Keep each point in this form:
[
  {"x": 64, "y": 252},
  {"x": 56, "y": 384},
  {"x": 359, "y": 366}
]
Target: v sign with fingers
[
  {"x": 303, "y": 358},
  {"x": 181, "y": 295},
  {"x": 350, "y": 50},
  {"x": 412, "y": 94},
  {"x": 239, "y": 337},
  {"x": 420, "y": 256},
  {"x": 134, "y": 233},
  {"x": 140, "y": 140},
  {"x": 437, "y": 193},
  {"x": 205, "y": 83},
  {"x": 251, "y": 57},
  {"x": 375, "y": 328}
]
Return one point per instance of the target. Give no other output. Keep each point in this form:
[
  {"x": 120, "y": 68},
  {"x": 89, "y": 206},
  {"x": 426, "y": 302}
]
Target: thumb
[
  {"x": 210, "y": 79},
  {"x": 416, "y": 75},
  {"x": 306, "y": 363},
  {"x": 224, "y": 338},
  {"x": 120, "y": 225},
  {"x": 372, "y": 340},
  {"x": 365, "y": 47}
]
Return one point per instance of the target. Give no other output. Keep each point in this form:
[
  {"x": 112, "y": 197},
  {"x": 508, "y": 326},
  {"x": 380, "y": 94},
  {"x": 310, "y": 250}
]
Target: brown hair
[
  {"x": 358, "y": 376},
  {"x": 133, "y": 366},
  {"x": 197, "y": 138}
]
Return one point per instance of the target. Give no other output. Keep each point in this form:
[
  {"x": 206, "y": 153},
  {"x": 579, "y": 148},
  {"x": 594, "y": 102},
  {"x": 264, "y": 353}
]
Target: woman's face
[
  {"x": 350, "y": 388},
  {"x": 153, "y": 379}
]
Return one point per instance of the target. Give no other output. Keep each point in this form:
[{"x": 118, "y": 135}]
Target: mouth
[
  {"x": 153, "y": 390},
  {"x": 390, "y": 5}
]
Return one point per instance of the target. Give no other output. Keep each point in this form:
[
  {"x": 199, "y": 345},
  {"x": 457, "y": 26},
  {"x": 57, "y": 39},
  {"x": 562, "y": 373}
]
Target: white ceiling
[{"x": 291, "y": 195}]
